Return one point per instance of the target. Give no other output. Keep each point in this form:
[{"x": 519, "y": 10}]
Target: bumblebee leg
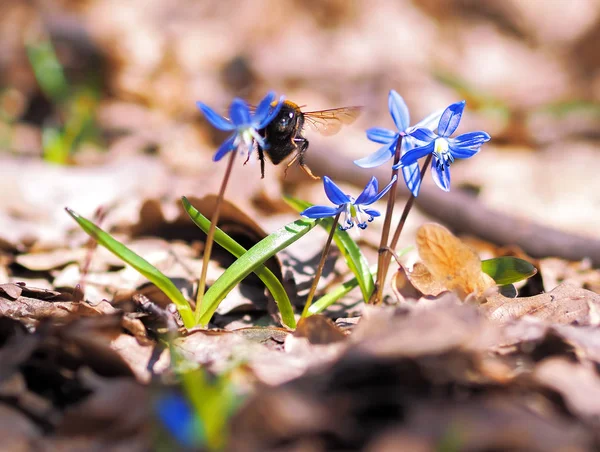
[
  {"x": 287, "y": 167},
  {"x": 300, "y": 156},
  {"x": 261, "y": 157}
]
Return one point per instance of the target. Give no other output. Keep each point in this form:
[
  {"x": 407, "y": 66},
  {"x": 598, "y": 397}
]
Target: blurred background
[{"x": 97, "y": 97}]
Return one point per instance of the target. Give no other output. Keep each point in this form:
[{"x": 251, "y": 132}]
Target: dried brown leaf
[
  {"x": 319, "y": 330},
  {"x": 565, "y": 304},
  {"x": 450, "y": 262},
  {"x": 578, "y": 383},
  {"x": 422, "y": 280}
]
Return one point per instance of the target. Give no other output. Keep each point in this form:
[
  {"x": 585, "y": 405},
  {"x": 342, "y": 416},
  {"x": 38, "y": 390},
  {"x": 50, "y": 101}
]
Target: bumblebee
[{"x": 283, "y": 135}]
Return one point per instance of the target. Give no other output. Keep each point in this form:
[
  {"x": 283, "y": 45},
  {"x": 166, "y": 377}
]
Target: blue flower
[
  {"x": 389, "y": 139},
  {"x": 242, "y": 123},
  {"x": 179, "y": 419},
  {"x": 353, "y": 208},
  {"x": 444, "y": 148}
]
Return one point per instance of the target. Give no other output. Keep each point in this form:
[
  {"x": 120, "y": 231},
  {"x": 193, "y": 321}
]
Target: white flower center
[{"x": 441, "y": 152}]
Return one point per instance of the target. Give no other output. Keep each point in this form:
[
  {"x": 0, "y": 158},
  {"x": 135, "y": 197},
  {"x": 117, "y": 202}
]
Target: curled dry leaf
[
  {"x": 319, "y": 330},
  {"x": 448, "y": 264},
  {"x": 566, "y": 304}
]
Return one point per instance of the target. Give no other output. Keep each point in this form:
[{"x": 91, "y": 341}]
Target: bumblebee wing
[{"x": 329, "y": 122}]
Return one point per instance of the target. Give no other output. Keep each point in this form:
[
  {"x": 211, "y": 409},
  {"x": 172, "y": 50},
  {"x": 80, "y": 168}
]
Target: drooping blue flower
[
  {"x": 389, "y": 139},
  {"x": 444, "y": 148},
  {"x": 242, "y": 122},
  {"x": 353, "y": 208},
  {"x": 179, "y": 419}
]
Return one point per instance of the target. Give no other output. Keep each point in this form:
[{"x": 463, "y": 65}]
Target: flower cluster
[{"x": 431, "y": 135}]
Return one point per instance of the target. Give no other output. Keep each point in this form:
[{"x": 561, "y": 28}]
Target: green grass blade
[
  {"x": 355, "y": 259},
  {"x": 249, "y": 262},
  {"x": 332, "y": 296},
  {"x": 47, "y": 70},
  {"x": 266, "y": 276},
  {"x": 140, "y": 264},
  {"x": 507, "y": 270}
]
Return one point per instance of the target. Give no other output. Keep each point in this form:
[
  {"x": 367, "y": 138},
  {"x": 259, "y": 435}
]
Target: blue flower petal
[
  {"x": 379, "y": 157},
  {"x": 471, "y": 139},
  {"x": 320, "y": 212},
  {"x": 263, "y": 108},
  {"x": 462, "y": 152},
  {"x": 450, "y": 119},
  {"x": 372, "y": 212},
  {"x": 239, "y": 112},
  {"x": 424, "y": 135},
  {"x": 412, "y": 177},
  {"x": 369, "y": 192},
  {"x": 399, "y": 111},
  {"x": 441, "y": 176},
  {"x": 334, "y": 193},
  {"x": 381, "y": 193},
  {"x": 214, "y": 118},
  {"x": 415, "y": 154},
  {"x": 381, "y": 135},
  {"x": 274, "y": 111},
  {"x": 411, "y": 173},
  {"x": 224, "y": 148},
  {"x": 429, "y": 122},
  {"x": 179, "y": 419}
]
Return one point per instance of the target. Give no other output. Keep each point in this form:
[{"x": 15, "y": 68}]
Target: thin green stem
[
  {"x": 211, "y": 233},
  {"x": 319, "y": 271},
  {"x": 404, "y": 216},
  {"x": 385, "y": 232}
]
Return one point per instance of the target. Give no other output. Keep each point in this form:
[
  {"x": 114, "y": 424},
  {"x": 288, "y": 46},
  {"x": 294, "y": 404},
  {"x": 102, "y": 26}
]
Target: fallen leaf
[
  {"x": 578, "y": 383},
  {"x": 447, "y": 264},
  {"x": 319, "y": 330},
  {"x": 565, "y": 304}
]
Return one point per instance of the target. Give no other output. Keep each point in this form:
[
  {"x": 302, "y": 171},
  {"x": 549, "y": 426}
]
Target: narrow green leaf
[
  {"x": 355, "y": 259},
  {"x": 47, "y": 70},
  {"x": 266, "y": 276},
  {"x": 508, "y": 270},
  {"x": 140, "y": 264},
  {"x": 332, "y": 296},
  {"x": 249, "y": 262}
]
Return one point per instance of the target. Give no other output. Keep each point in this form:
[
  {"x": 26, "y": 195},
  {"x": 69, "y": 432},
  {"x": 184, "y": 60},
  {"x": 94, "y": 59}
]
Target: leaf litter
[{"x": 438, "y": 369}]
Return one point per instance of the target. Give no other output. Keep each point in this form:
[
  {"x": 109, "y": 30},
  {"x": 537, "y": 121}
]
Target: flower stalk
[
  {"x": 385, "y": 233},
  {"x": 211, "y": 234},
  {"x": 319, "y": 271},
  {"x": 400, "y": 227}
]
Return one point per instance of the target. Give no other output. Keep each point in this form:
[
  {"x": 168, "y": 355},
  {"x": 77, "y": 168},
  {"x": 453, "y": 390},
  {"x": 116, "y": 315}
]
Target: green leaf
[
  {"x": 48, "y": 70},
  {"x": 507, "y": 270},
  {"x": 355, "y": 259},
  {"x": 249, "y": 262},
  {"x": 334, "y": 295},
  {"x": 266, "y": 276},
  {"x": 140, "y": 264},
  {"x": 214, "y": 401}
]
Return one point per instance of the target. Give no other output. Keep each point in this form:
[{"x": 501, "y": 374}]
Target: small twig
[
  {"x": 393, "y": 253},
  {"x": 319, "y": 271}
]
